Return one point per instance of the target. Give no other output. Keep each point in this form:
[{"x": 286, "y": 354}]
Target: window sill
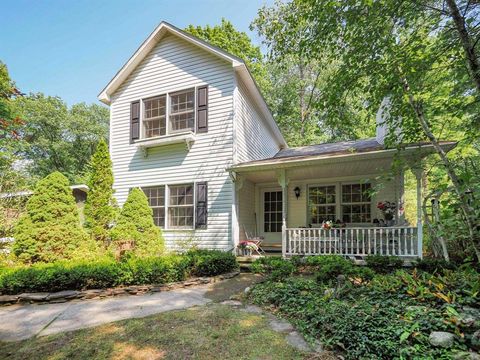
[{"x": 185, "y": 137}]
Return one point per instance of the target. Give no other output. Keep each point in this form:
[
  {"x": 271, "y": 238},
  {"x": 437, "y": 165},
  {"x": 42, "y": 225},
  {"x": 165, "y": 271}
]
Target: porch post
[
  {"x": 419, "y": 175},
  {"x": 283, "y": 181}
]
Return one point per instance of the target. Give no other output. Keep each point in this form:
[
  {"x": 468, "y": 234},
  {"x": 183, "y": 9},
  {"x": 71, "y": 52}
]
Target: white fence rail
[{"x": 358, "y": 241}]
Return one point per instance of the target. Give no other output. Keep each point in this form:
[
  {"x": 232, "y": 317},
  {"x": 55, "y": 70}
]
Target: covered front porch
[{"x": 327, "y": 203}]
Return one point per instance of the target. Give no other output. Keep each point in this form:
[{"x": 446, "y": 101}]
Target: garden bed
[{"x": 431, "y": 311}]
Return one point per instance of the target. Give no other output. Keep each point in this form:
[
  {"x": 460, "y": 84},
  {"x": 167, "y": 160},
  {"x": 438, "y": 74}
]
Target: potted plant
[{"x": 388, "y": 209}]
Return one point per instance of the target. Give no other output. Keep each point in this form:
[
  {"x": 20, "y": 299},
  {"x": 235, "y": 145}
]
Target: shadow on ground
[{"x": 223, "y": 290}]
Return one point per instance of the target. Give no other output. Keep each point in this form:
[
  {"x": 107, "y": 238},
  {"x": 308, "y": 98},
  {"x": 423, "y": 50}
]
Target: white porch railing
[{"x": 358, "y": 241}]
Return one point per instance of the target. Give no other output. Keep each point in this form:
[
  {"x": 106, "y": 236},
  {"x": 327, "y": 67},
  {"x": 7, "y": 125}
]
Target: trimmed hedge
[
  {"x": 106, "y": 272},
  {"x": 211, "y": 262}
]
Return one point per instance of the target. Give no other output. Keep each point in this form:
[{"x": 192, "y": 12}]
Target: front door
[{"x": 271, "y": 210}]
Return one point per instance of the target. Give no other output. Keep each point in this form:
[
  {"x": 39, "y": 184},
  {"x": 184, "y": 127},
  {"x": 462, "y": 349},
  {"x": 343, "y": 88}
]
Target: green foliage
[
  {"x": 58, "y": 138},
  {"x": 433, "y": 265},
  {"x": 99, "y": 211},
  {"x": 383, "y": 264},
  {"x": 389, "y": 317},
  {"x": 211, "y": 262},
  {"x": 50, "y": 229},
  {"x": 135, "y": 223},
  {"x": 237, "y": 43},
  {"x": 104, "y": 272},
  {"x": 274, "y": 267}
]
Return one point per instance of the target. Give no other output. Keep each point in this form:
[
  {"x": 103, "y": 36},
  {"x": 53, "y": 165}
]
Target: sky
[{"x": 72, "y": 48}]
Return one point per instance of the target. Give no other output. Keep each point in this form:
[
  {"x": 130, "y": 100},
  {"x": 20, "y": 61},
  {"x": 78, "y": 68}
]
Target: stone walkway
[{"x": 18, "y": 322}]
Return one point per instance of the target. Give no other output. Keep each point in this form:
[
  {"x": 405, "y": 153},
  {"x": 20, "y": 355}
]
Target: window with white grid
[
  {"x": 182, "y": 110},
  {"x": 321, "y": 204},
  {"x": 180, "y": 206},
  {"x": 154, "y": 117},
  {"x": 356, "y": 203},
  {"x": 156, "y": 200}
]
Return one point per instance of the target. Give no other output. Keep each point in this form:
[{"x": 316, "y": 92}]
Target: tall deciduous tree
[
  {"x": 59, "y": 138},
  {"x": 299, "y": 83},
  {"x": 406, "y": 51},
  {"x": 50, "y": 229},
  {"x": 99, "y": 208},
  {"x": 135, "y": 223},
  {"x": 227, "y": 38}
]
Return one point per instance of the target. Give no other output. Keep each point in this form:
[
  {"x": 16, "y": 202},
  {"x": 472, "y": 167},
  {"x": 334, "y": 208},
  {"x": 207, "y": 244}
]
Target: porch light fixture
[{"x": 297, "y": 192}]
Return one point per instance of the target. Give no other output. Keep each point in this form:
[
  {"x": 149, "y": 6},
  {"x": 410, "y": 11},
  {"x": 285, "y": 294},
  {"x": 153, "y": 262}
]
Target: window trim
[
  {"x": 338, "y": 200},
  {"x": 168, "y": 131}
]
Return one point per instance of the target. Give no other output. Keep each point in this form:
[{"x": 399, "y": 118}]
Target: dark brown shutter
[
  {"x": 134, "y": 121},
  {"x": 201, "y": 205},
  {"x": 202, "y": 109}
]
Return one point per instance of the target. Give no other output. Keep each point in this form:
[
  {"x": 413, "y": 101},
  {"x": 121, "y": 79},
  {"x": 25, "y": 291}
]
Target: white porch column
[
  {"x": 283, "y": 181},
  {"x": 237, "y": 184},
  {"x": 419, "y": 175}
]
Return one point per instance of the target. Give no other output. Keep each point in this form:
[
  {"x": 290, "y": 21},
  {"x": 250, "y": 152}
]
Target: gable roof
[{"x": 238, "y": 65}]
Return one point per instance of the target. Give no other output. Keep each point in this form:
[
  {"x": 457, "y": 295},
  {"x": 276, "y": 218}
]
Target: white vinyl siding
[
  {"x": 254, "y": 139},
  {"x": 174, "y": 65}
]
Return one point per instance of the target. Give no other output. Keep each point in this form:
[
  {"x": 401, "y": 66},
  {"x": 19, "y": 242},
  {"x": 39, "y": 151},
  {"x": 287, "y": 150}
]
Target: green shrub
[
  {"x": 330, "y": 266},
  {"x": 433, "y": 265},
  {"x": 384, "y": 264},
  {"x": 99, "y": 210},
  {"x": 275, "y": 267},
  {"x": 211, "y": 262},
  {"x": 135, "y": 223},
  {"x": 50, "y": 229},
  {"x": 106, "y": 272}
]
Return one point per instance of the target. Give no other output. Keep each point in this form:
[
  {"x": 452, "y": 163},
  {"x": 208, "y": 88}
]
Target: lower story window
[
  {"x": 356, "y": 203},
  {"x": 180, "y": 206},
  {"x": 322, "y": 204},
  {"x": 156, "y": 200}
]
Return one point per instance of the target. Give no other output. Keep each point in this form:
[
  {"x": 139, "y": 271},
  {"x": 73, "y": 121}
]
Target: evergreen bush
[
  {"x": 50, "y": 228},
  {"x": 135, "y": 223},
  {"x": 99, "y": 208}
]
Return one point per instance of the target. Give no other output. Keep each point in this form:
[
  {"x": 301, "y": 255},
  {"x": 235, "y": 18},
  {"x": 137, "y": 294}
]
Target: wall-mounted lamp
[{"x": 297, "y": 192}]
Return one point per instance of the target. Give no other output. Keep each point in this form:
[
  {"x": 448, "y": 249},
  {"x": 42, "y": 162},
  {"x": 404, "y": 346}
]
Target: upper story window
[
  {"x": 154, "y": 118},
  {"x": 177, "y": 113},
  {"x": 182, "y": 110}
]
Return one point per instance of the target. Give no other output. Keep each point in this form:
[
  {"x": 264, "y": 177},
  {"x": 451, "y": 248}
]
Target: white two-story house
[{"x": 189, "y": 126}]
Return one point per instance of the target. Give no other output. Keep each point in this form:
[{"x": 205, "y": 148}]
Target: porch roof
[{"x": 365, "y": 149}]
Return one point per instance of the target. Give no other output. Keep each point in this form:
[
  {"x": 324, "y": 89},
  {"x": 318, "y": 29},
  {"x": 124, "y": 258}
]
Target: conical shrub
[
  {"x": 135, "y": 223},
  {"x": 50, "y": 229}
]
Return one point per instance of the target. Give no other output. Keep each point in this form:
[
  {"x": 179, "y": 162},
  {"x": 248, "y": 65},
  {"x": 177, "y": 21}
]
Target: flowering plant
[
  {"x": 248, "y": 245},
  {"x": 388, "y": 209},
  {"x": 327, "y": 225}
]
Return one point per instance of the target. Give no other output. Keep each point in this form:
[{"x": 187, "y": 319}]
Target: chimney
[{"x": 384, "y": 124}]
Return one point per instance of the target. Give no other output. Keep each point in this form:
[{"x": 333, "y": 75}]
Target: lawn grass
[{"x": 207, "y": 332}]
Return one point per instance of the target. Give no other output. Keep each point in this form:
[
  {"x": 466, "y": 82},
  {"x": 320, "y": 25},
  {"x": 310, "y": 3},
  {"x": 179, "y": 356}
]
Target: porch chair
[{"x": 255, "y": 240}]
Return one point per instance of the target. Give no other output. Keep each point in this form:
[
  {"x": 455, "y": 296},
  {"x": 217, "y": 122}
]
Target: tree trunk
[
  {"x": 302, "y": 97},
  {"x": 467, "y": 210},
  {"x": 468, "y": 46}
]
